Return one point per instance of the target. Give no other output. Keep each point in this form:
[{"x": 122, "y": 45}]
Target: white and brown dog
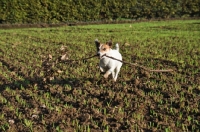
[{"x": 109, "y": 65}]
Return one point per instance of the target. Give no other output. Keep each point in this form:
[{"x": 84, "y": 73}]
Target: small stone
[
  {"x": 11, "y": 121},
  {"x": 43, "y": 106},
  {"x": 126, "y": 44},
  {"x": 34, "y": 116},
  {"x": 50, "y": 56}
]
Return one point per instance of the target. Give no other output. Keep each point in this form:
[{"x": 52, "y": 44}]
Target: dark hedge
[{"x": 54, "y": 11}]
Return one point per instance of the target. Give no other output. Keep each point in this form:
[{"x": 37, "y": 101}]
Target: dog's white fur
[{"x": 108, "y": 65}]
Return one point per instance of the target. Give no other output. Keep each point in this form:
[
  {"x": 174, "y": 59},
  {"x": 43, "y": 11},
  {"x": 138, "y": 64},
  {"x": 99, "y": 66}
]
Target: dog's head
[{"x": 103, "y": 48}]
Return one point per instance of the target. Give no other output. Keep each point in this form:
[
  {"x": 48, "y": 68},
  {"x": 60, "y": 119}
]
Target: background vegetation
[{"x": 52, "y": 11}]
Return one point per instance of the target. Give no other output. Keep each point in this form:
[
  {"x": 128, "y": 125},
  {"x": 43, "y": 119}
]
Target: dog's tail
[{"x": 117, "y": 46}]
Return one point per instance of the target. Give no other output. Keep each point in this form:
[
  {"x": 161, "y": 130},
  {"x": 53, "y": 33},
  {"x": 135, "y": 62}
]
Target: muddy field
[{"x": 41, "y": 89}]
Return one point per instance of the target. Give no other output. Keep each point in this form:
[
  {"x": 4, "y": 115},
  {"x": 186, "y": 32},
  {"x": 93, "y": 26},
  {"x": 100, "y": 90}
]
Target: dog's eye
[{"x": 104, "y": 49}]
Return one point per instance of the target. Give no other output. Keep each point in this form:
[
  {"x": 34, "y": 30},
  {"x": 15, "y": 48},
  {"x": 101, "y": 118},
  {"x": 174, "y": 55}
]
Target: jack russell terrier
[{"x": 108, "y": 65}]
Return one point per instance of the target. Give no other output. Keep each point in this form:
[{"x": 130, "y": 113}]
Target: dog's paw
[
  {"x": 114, "y": 80},
  {"x": 105, "y": 75}
]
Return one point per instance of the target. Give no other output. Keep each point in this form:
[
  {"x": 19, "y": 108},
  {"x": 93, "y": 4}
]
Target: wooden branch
[{"x": 142, "y": 67}]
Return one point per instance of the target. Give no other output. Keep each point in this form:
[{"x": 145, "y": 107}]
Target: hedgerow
[{"x": 52, "y": 11}]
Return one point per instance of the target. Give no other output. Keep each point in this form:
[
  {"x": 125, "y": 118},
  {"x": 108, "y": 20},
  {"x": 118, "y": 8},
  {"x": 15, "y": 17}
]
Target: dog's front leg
[
  {"x": 107, "y": 74},
  {"x": 101, "y": 69}
]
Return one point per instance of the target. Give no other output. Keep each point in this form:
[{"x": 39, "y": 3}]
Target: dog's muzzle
[{"x": 101, "y": 56}]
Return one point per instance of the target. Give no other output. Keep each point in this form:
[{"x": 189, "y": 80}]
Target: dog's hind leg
[
  {"x": 116, "y": 73},
  {"x": 113, "y": 74}
]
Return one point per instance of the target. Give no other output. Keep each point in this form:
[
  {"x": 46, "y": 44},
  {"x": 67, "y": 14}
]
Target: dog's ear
[
  {"x": 97, "y": 43},
  {"x": 109, "y": 43}
]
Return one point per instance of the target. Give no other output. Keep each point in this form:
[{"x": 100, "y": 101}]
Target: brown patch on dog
[
  {"x": 104, "y": 48},
  {"x": 109, "y": 43}
]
